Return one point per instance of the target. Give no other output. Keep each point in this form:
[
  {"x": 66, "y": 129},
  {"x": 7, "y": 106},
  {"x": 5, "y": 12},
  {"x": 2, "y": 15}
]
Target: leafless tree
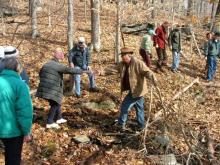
[
  {"x": 118, "y": 32},
  {"x": 70, "y": 24},
  {"x": 95, "y": 25},
  {"x": 217, "y": 18},
  {"x": 34, "y": 19}
]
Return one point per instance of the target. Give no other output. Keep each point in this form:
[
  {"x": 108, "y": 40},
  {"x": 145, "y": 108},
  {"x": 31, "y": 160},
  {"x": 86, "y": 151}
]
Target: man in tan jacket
[{"x": 133, "y": 73}]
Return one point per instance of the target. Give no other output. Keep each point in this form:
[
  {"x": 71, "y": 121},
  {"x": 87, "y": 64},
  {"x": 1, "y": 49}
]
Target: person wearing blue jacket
[
  {"x": 79, "y": 58},
  {"x": 212, "y": 51},
  {"x": 16, "y": 111}
]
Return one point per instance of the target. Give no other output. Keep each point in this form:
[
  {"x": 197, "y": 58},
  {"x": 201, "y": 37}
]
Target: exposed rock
[
  {"x": 81, "y": 139},
  {"x": 168, "y": 159},
  {"x": 107, "y": 104},
  {"x": 7, "y": 10},
  {"x": 218, "y": 93},
  {"x": 163, "y": 140}
]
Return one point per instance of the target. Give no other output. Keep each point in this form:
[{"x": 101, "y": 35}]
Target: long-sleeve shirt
[
  {"x": 147, "y": 43},
  {"x": 212, "y": 48}
]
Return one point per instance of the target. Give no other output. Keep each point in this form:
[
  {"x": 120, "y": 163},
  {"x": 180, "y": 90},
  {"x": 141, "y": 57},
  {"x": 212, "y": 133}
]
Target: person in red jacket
[{"x": 160, "y": 41}]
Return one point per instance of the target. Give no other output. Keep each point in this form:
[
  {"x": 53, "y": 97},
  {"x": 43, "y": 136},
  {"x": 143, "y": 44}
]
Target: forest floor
[{"x": 194, "y": 113}]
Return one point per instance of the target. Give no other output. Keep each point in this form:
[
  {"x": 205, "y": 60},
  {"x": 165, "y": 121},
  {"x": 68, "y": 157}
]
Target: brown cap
[
  {"x": 126, "y": 51},
  {"x": 165, "y": 23}
]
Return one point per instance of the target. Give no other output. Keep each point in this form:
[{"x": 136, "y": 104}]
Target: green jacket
[
  {"x": 16, "y": 111},
  {"x": 147, "y": 43},
  {"x": 212, "y": 48},
  {"x": 174, "y": 40}
]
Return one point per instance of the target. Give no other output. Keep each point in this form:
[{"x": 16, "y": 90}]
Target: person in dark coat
[
  {"x": 212, "y": 51},
  {"x": 160, "y": 40},
  {"x": 79, "y": 57},
  {"x": 51, "y": 87},
  {"x": 174, "y": 41}
]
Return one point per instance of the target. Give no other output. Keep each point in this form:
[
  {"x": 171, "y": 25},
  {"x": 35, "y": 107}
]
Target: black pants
[
  {"x": 13, "y": 148},
  {"x": 162, "y": 57},
  {"x": 146, "y": 57},
  {"x": 55, "y": 112}
]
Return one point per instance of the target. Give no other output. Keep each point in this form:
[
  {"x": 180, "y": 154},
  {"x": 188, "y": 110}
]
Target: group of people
[
  {"x": 16, "y": 111},
  {"x": 160, "y": 40}
]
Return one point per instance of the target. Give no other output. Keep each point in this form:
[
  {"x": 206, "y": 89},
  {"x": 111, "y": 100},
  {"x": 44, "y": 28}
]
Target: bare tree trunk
[
  {"x": 85, "y": 10},
  {"x": 153, "y": 11},
  {"x": 217, "y": 18},
  {"x": 212, "y": 16},
  {"x": 30, "y": 7},
  {"x": 49, "y": 14},
  {"x": 118, "y": 32},
  {"x": 3, "y": 23},
  {"x": 190, "y": 8},
  {"x": 34, "y": 19},
  {"x": 70, "y": 24},
  {"x": 95, "y": 25}
]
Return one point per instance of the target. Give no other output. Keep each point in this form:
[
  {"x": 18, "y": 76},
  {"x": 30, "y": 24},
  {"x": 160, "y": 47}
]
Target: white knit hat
[
  {"x": 81, "y": 39},
  {"x": 11, "y": 51},
  {"x": 2, "y": 52}
]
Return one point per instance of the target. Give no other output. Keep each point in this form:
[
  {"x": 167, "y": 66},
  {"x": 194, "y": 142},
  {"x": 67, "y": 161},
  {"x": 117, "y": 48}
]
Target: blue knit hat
[{"x": 151, "y": 32}]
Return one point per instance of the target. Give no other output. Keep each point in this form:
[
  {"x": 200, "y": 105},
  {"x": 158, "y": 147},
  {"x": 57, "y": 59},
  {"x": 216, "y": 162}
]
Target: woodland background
[{"x": 184, "y": 129}]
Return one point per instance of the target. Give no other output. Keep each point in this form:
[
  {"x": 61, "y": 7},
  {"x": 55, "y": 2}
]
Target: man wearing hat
[
  {"x": 146, "y": 47},
  {"x": 212, "y": 51},
  {"x": 79, "y": 58},
  {"x": 133, "y": 73},
  {"x": 174, "y": 41},
  {"x": 10, "y": 51}
]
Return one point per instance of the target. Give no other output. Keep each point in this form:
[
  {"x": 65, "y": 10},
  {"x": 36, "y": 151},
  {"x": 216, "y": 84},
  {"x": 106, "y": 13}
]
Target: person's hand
[
  {"x": 157, "y": 46},
  {"x": 27, "y": 138},
  {"x": 96, "y": 72},
  {"x": 71, "y": 65}
]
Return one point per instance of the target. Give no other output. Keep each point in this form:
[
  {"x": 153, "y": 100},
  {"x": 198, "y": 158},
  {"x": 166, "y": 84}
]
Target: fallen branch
[
  {"x": 146, "y": 125},
  {"x": 197, "y": 47},
  {"x": 216, "y": 85},
  {"x": 176, "y": 96}
]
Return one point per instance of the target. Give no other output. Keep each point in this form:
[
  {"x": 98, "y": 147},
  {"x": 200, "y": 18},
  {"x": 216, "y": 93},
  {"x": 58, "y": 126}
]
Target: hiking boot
[
  {"x": 120, "y": 127},
  {"x": 53, "y": 125},
  {"x": 77, "y": 96},
  {"x": 61, "y": 121},
  {"x": 95, "y": 89}
]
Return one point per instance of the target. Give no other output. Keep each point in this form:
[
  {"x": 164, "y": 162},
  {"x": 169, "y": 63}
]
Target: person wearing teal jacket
[
  {"x": 212, "y": 51},
  {"x": 16, "y": 111}
]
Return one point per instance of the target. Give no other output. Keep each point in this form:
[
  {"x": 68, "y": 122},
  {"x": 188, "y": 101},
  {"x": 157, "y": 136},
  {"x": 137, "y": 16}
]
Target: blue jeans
[
  {"x": 127, "y": 104},
  {"x": 77, "y": 79},
  {"x": 211, "y": 67},
  {"x": 176, "y": 60}
]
